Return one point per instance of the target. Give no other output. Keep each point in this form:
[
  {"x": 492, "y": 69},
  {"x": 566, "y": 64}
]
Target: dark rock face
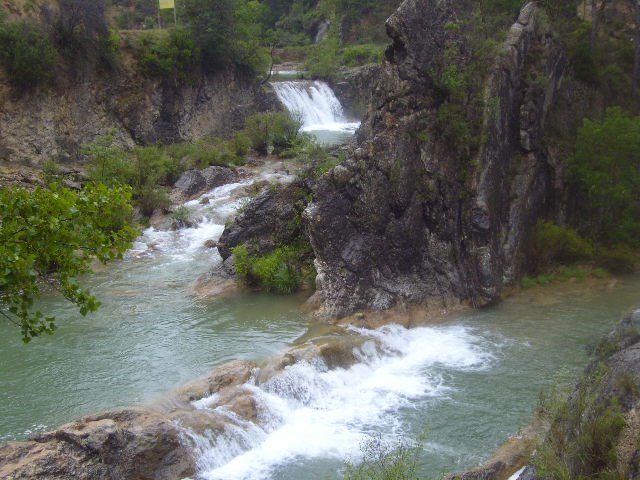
[
  {"x": 406, "y": 219},
  {"x": 194, "y": 182},
  {"x": 191, "y": 183},
  {"x": 270, "y": 220},
  {"x": 355, "y": 89},
  {"x": 133, "y": 444}
]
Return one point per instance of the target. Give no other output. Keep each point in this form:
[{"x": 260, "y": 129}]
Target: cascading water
[
  {"x": 308, "y": 412},
  {"x": 318, "y": 109}
]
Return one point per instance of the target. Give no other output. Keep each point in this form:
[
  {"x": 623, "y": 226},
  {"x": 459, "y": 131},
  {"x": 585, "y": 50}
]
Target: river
[{"x": 465, "y": 385}]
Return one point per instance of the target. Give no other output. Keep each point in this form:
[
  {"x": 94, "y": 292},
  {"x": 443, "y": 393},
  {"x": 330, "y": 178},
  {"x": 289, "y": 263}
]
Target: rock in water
[
  {"x": 125, "y": 444},
  {"x": 191, "y": 183},
  {"x": 414, "y": 219}
]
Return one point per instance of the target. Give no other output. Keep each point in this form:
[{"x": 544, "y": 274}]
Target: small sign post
[{"x": 167, "y": 5}]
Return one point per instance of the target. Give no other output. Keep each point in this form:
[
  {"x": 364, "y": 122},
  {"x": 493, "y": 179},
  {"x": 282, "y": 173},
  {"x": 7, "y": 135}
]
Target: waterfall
[{"x": 315, "y": 104}]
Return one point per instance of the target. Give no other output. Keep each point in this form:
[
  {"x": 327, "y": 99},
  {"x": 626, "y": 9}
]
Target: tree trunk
[
  {"x": 636, "y": 56},
  {"x": 594, "y": 23}
]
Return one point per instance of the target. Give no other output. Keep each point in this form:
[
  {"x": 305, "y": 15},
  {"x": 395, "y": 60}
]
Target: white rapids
[
  {"x": 308, "y": 412},
  {"x": 315, "y": 104}
]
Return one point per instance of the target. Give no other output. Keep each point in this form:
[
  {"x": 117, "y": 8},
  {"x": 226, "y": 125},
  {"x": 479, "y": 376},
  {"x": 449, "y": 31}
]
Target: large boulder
[
  {"x": 124, "y": 444},
  {"x": 410, "y": 218}
]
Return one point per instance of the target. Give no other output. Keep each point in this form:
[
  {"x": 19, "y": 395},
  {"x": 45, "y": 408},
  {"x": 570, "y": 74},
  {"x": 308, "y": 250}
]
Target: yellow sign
[{"x": 166, "y": 4}]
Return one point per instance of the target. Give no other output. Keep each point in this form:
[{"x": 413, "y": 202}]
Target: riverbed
[{"x": 458, "y": 388}]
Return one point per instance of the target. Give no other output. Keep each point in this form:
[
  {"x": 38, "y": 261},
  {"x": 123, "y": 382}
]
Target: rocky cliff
[
  {"x": 54, "y": 123},
  {"x": 408, "y": 218}
]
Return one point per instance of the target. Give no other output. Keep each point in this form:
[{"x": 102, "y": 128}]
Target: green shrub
[
  {"x": 557, "y": 244},
  {"x": 171, "y": 54},
  {"x": 356, "y": 55},
  {"x": 182, "y": 217},
  {"x": 384, "y": 461},
  {"x": 27, "y": 54},
  {"x": 271, "y": 131},
  {"x": 606, "y": 178},
  {"x": 617, "y": 259},
  {"x": 280, "y": 271}
]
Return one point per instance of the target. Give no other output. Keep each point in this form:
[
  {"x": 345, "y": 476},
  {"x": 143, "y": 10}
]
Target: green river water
[{"x": 466, "y": 385}]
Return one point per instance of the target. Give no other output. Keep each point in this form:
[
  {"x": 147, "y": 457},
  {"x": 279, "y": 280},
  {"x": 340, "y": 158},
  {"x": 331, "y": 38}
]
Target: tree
[
  {"x": 51, "y": 236},
  {"x": 605, "y": 171},
  {"x": 227, "y": 32}
]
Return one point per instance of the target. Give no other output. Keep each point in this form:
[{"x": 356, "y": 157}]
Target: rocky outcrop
[
  {"x": 134, "y": 444},
  {"x": 355, "y": 88},
  {"x": 406, "y": 218},
  {"x": 272, "y": 219},
  {"x": 194, "y": 182},
  {"x": 597, "y": 433},
  {"x": 55, "y": 123}
]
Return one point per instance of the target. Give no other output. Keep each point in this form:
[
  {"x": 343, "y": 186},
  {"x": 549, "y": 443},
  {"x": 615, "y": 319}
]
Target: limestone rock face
[
  {"x": 134, "y": 444},
  {"x": 410, "y": 220},
  {"x": 55, "y": 123}
]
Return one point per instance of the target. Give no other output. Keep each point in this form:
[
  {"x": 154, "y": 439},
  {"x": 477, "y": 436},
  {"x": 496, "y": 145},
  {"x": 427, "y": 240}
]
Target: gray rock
[
  {"x": 191, "y": 183},
  {"x": 132, "y": 443},
  {"x": 218, "y": 176},
  {"x": 405, "y": 219}
]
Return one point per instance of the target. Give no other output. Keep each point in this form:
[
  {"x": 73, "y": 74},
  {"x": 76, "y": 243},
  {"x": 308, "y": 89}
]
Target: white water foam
[
  {"x": 311, "y": 412},
  {"x": 223, "y": 203},
  {"x": 315, "y": 104}
]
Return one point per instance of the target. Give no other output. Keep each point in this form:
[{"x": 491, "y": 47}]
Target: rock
[
  {"x": 218, "y": 176},
  {"x": 54, "y": 123},
  {"x": 271, "y": 219},
  {"x": 205, "y": 201},
  {"x": 191, "y": 183},
  {"x": 211, "y": 244},
  {"x": 404, "y": 219},
  {"x": 229, "y": 375},
  {"x": 132, "y": 443}
]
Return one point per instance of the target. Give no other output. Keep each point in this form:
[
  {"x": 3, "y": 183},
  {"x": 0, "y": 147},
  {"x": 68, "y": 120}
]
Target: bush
[
  {"x": 271, "y": 131},
  {"x": 558, "y": 244},
  {"x": 362, "y": 54},
  {"x": 280, "y": 271},
  {"x": 617, "y": 259},
  {"x": 27, "y": 54},
  {"x": 605, "y": 174},
  {"x": 168, "y": 55},
  {"x": 384, "y": 461}
]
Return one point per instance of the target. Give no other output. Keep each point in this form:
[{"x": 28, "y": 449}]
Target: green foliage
[
  {"x": 227, "y": 32},
  {"x": 169, "y": 54},
  {"x": 145, "y": 169},
  {"x": 181, "y": 217},
  {"x": 383, "y": 461},
  {"x": 605, "y": 171},
  {"x": 584, "y": 433},
  {"x": 323, "y": 59},
  {"x": 281, "y": 271},
  {"x": 271, "y": 131},
  {"x": 356, "y": 55},
  {"x": 52, "y": 236},
  {"x": 558, "y": 244},
  {"x": 618, "y": 259},
  {"x": 27, "y": 54}
]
